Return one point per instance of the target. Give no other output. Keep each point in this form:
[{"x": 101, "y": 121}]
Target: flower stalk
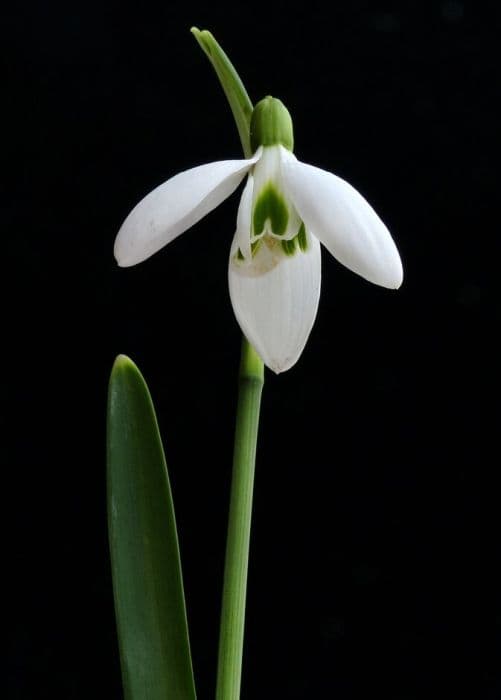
[
  {"x": 250, "y": 386},
  {"x": 231, "y": 640}
]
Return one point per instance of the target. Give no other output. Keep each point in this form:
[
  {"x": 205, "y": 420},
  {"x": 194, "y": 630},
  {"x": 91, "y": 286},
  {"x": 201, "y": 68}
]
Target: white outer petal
[
  {"x": 344, "y": 222},
  {"x": 176, "y": 205},
  {"x": 275, "y": 301}
]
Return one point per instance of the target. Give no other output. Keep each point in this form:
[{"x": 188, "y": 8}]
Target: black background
[{"x": 375, "y": 551}]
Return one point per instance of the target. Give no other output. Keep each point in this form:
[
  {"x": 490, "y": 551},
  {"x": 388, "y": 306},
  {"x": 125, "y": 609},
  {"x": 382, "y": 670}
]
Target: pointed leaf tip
[
  {"x": 123, "y": 362},
  {"x": 147, "y": 578}
]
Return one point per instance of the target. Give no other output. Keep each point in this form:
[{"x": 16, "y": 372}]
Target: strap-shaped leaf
[{"x": 147, "y": 579}]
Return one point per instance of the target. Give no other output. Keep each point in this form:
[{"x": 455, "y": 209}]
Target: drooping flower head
[{"x": 286, "y": 210}]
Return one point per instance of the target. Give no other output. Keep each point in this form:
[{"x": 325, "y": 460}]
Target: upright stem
[{"x": 251, "y": 380}]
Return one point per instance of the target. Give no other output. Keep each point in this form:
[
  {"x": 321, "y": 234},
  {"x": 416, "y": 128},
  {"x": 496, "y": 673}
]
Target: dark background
[{"x": 375, "y": 563}]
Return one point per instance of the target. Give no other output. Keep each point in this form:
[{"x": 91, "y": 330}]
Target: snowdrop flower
[{"x": 286, "y": 210}]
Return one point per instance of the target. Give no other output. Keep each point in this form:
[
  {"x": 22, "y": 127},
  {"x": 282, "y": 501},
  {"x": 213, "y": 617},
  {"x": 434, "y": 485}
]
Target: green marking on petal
[
  {"x": 289, "y": 247},
  {"x": 240, "y": 255},
  {"x": 302, "y": 238},
  {"x": 270, "y": 206},
  {"x": 299, "y": 242}
]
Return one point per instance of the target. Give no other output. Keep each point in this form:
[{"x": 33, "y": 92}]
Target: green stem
[{"x": 251, "y": 379}]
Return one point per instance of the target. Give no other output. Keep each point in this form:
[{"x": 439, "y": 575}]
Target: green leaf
[{"x": 147, "y": 579}]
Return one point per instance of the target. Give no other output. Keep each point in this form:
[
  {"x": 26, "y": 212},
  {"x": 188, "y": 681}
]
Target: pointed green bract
[
  {"x": 147, "y": 580},
  {"x": 235, "y": 92}
]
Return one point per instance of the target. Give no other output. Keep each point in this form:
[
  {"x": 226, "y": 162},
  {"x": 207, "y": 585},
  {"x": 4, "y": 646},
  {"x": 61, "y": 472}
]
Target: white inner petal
[
  {"x": 275, "y": 299},
  {"x": 269, "y": 185}
]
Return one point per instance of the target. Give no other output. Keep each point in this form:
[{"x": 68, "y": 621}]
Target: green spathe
[
  {"x": 271, "y": 125},
  {"x": 235, "y": 92}
]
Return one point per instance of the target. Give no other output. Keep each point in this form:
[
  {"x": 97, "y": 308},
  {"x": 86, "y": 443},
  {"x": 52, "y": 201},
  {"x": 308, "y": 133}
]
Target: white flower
[{"x": 286, "y": 210}]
